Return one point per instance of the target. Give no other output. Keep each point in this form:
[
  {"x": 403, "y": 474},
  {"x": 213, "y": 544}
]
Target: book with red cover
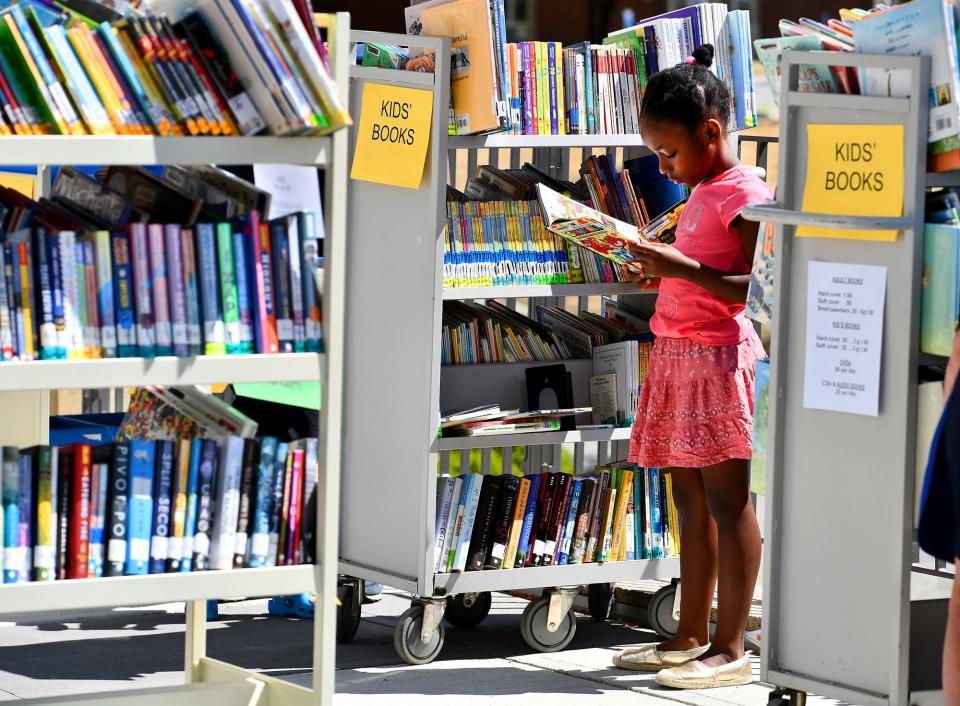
[
  {"x": 78, "y": 552},
  {"x": 261, "y": 264},
  {"x": 557, "y": 517},
  {"x": 296, "y": 492},
  {"x": 544, "y": 513}
]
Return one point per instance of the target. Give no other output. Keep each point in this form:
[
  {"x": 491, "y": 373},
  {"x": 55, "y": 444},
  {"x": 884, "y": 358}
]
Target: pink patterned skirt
[{"x": 696, "y": 404}]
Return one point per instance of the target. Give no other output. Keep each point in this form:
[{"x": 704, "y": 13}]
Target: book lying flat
[
  {"x": 475, "y": 414},
  {"x": 546, "y": 414},
  {"x": 599, "y": 233},
  {"x": 495, "y": 427}
]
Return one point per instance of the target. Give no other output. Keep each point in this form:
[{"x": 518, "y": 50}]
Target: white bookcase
[
  {"x": 208, "y": 681},
  {"x": 396, "y": 385}
]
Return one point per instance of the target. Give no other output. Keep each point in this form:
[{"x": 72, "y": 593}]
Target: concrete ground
[{"x": 51, "y": 654}]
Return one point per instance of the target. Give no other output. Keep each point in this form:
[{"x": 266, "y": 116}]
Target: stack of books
[
  {"x": 542, "y": 88},
  {"x": 233, "y": 67},
  {"x": 618, "y": 513},
  {"x": 151, "y": 507},
  {"x": 491, "y": 420}
]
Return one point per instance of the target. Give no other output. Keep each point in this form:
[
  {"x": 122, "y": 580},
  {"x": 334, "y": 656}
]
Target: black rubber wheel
[
  {"x": 660, "y": 612},
  {"x": 533, "y": 627},
  {"x": 406, "y": 638},
  {"x": 599, "y": 598},
  {"x": 467, "y": 610},
  {"x": 348, "y": 613}
]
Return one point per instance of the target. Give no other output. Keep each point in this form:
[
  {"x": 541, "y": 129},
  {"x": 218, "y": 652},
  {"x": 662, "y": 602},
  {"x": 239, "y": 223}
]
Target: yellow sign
[
  {"x": 854, "y": 170},
  {"x": 393, "y": 134}
]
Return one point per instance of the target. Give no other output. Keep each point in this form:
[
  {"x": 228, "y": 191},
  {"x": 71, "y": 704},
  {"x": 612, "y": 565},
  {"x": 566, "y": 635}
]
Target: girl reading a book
[{"x": 695, "y": 415}]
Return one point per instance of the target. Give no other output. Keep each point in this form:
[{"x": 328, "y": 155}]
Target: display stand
[
  {"x": 395, "y": 386},
  {"x": 840, "y": 488},
  {"x": 209, "y": 681}
]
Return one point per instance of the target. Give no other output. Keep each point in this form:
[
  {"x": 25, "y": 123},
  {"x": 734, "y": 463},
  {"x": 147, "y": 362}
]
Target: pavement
[{"x": 52, "y": 654}]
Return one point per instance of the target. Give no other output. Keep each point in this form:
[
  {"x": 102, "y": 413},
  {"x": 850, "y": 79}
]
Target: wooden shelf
[
  {"x": 542, "y": 290},
  {"x": 147, "y": 149},
  {"x": 39, "y": 596},
  {"x": 539, "y": 439},
  {"x": 137, "y": 372}
]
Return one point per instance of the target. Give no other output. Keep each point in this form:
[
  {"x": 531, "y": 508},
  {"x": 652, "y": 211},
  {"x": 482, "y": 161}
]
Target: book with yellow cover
[
  {"x": 472, "y": 63},
  {"x": 624, "y": 493}
]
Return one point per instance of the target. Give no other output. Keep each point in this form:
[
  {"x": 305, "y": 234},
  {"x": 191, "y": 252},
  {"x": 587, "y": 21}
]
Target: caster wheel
[
  {"x": 660, "y": 612},
  {"x": 406, "y": 638},
  {"x": 599, "y": 597},
  {"x": 533, "y": 627},
  {"x": 778, "y": 701},
  {"x": 468, "y": 609},
  {"x": 348, "y": 612}
]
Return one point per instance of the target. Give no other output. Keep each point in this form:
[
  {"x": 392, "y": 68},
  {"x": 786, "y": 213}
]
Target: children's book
[
  {"x": 760, "y": 290},
  {"x": 812, "y": 78}
]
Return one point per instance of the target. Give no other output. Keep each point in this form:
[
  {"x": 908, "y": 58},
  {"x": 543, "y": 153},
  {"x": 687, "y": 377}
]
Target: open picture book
[{"x": 602, "y": 234}]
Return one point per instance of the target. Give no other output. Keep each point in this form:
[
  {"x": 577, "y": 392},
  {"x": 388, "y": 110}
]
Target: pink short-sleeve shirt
[{"x": 706, "y": 234}]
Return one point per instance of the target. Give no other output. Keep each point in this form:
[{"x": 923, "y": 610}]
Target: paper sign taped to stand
[
  {"x": 844, "y": 341},
  {"x": 854, "y": 170},
  {"x": 393, "y": 135},
  {"x": 292, "y": 188}
]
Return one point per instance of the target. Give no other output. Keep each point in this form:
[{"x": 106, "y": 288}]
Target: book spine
[
  {"x": 293, "y": 514},
  {"x": 88, "y": 101},
  {"x": 444, "y": 498},
  {"x": 569, "y": 523},
  {"x": 227, "y": 503},
  {"x": 43, "y": 281},
  {"x": 552, "y": 80},
  {"x": 276, "y": 503},
  {"x": 503, "y": 521},
  {"x": 647, "y": 517},
  {"x": 251, "y": 452},
  {"x": 595, "y": 521},
  {"x": 469, "y": 520},
  {"x": 191, "y": 292},
  {"x": 228, "y": 288},
  {"x": 207, "y": 476},
  {"x": 25, "y": 525},
  {"x": 140, "y": 507},
  {"x": 481, "y": 538},
  {"x": 307, "y": 226},
  {"x": 445, "y": 538},
  {"x": 296, "y": 285},
  {"x": 79, "y": 550},
  {"x": 160, "y": 290},
  {"x": 281, "y": 286},
  {"x": 581, "y": 524},
  {"x": 98, "y": 519},
  {"x": 244, "y": 308},
  {"x": 656, "y": 522},
  {"x": 557, "y": 518},
  {"x": 80, "y": 297},
  {"x": 7, "y": 325},
  {"x": 117, "y": 527},
  {"x": 178, "y": 290},
  {"x": 191, "y": 506},
  {"x": 252, "y": 242},
  {"x": 123, "y": 296},
  {"x": 263, "y": 274},
  {"x": 544, "y": 513},
  {"x": 92, "y": 332},
  {"x": 311, "y": 473},
  {"x": 64, "y": 499},
  {"x": 102, "y": 247},
  {"x": 44, "y": 549},
  {"x": 263, "y": 505},
  {"x": 143, "y": 294},
  {"x": 178, "y": 504},
  {"x": 665, "y": 515},
  {"x": 162, "y": 485},
  {"x": 527, "y": 526},
  {"x": 516, "y": 525},
  {"x": 624, "y": 493},
  {"x": 25, "y": 270},
  {"x": 214, "y": 331}
]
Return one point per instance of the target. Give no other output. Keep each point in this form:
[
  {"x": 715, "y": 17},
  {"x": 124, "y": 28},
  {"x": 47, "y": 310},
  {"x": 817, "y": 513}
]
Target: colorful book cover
[
  {"x": 263, "y": 502},
  {"x": 191, "y": 283},
  {"x": 140, "y": 507},
  {"x": 265, "y": 318},
  {"x": 227, "y": 502},
  {"x": 123, "y": 295},
  {"x": 282, "y": 285},
  {"x": 296, "y": 284},
  {"x": 20, "y": 70},
  {"x": 7, "y": 323},
  {"x": 214, "y": 333},
  {"x": 178, "y": 513},
  {"x": 471, "y": 501},
  {"x": 102, "y": 247},
  {"x": 245, "y": 310},
  {"x": 251, "y": 450},
  {"x": 228, "y": 288},
  {"x": 100, "y": 475},
  {"x": 143, "y": 299},
  {"x": 656, "y": 519},
  {"x": 279, "y": 475},
  {"x": 516, "y": 525},
  {"x": 206, "y": 479},
  {"x": 569, "y": 524},
  {"x": 116, "y": 535},
  {"x": 84, "y": 95},
  {"x": 44, "y": 549},
  {"x": 309, "y": 240},
  {"x": 529, "y": 513},
  {"x": 293, "y": 514},
  {"x": 92, "y": 331}
]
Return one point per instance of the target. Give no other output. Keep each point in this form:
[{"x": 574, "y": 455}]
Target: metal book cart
[
  {"x": 24, "y": 386},
  {"x": 395, "y": 388},
  {"x": 839, "y": 527}
]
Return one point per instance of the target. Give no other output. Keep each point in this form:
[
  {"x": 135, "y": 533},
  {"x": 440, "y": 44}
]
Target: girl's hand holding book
[
  {"x": 661, "y": 260},
  {"x": 647, "y": 283}
]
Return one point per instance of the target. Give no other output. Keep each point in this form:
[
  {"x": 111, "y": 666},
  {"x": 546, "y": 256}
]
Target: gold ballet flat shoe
[
  {"x": 696, "y": 675},
  {"x": 647, "y": 658}
]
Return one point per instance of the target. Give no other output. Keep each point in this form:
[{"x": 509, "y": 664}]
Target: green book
[
  {"x": 228, "y": 287},
  {"x": 940, "y": 294},
  {"x": 14, "y": 66},
  {"x": 44, "y": 552}
]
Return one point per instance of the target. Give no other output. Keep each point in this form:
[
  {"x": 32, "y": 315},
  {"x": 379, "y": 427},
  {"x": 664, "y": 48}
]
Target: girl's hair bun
[{"x": 704, "y": 55}]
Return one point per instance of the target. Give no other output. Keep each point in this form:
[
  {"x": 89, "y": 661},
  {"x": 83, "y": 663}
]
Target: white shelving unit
[
  {"x": 209, "y": 682},
  {"x": 397, "y": 247}
]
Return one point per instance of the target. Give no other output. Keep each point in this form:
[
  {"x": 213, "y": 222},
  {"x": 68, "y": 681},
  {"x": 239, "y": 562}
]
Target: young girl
[{"x": 696, "y": 405}]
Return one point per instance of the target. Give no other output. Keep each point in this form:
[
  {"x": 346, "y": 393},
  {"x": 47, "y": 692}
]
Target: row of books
[
  {"x": 159, "y": 289},
  {"x": 234, "y": 67},
  {"x": 924, "y": 27},
  {"x": 542, "y": 88},
  {"x": 151, "y": 507},
  {"x": 619, "y": 513}
]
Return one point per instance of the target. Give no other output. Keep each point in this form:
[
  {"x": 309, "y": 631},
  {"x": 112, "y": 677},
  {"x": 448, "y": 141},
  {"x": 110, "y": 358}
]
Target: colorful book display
[
  {"x": 146, "y": 507},
  {"x": 543, "y": 88},
  {"x": 618, "y": 513},
  {"x": 215, "y": 72}
]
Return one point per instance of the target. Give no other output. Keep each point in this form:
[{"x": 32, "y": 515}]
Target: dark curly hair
[{"x": 687, "y": 93}]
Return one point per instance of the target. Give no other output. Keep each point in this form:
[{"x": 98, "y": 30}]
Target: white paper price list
[{"x": 844, "y": 337}]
